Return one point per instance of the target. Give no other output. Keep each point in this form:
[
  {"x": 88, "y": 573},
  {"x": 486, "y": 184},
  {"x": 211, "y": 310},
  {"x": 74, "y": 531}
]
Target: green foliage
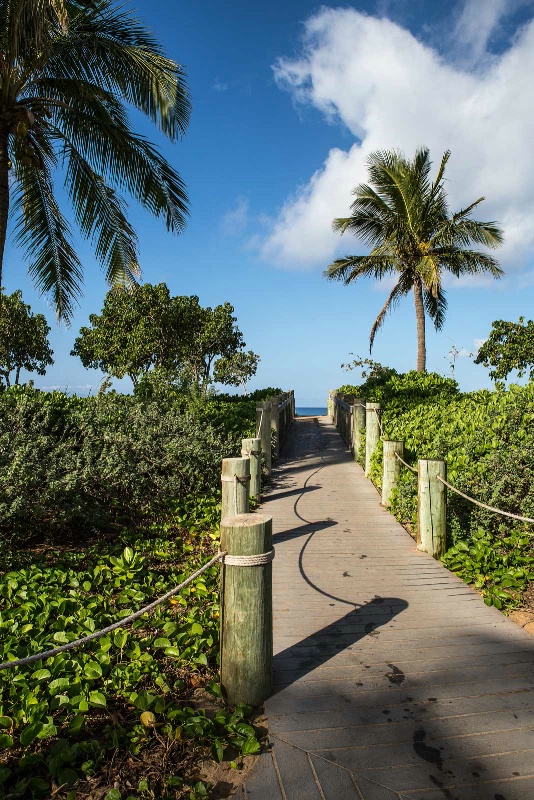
[
  {"x": 155, "y": 338},
  {"x": 487, "y": 440},
  {"x": 23, "y": 339},
  {"x": 510, "y": 346},
  {"x": 63, "y": 719},
  {"x": 70, "y": 73},
  {"x": 404, "y": 217},
  {"x": 236, "y": 369},
  {"x": 83, "y": 465},
  {"x": 501, "y": 568}
]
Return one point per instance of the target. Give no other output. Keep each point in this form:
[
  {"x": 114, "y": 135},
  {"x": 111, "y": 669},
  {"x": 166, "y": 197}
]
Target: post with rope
[
  {"x": 391, "y": 468},
  {"x": 251, "y": 449},
  {"x": 235, "y": 479},
  {"x": 372, "y": 433},
  {"x": 263, "y": 432},
  {"x": 432, "y": 507},
  {"x": 246, "y": 614},
  {"x": 275, "y": 426},
  {"x": 358, "y": 424}
]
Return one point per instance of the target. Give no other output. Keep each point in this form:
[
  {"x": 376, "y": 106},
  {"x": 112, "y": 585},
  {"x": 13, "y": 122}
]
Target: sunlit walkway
[{"x": 392, "y": 678}]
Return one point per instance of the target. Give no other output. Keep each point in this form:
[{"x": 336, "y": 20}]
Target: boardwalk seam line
[
  {"x": 278, "y": 775},
  {"x": 328, "y": 761},
  {"x": 315, "y": 777}
]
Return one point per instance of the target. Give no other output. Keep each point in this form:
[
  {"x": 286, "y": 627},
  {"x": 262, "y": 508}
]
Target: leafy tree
[
  {"x": 404, "y": 217},
  {"x": 236, "y": 369},
  {"x": 144, "y": 331},
  {"x": 23, "y": 339},
  {"x": 213, "y": 333},
  {"x": 138, "y": 331},
  {"x": 509, "y": 346},
  {"x": 68, "y": 72}
]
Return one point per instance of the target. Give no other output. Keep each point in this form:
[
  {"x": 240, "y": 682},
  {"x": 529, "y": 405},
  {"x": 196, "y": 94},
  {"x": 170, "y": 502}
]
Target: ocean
[{"x": 311, "y": 411}]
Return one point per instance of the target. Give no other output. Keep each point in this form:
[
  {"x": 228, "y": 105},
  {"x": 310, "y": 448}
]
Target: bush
[
  {"x": 487, "y": 440},
  {"x": 79, "y": 465}
]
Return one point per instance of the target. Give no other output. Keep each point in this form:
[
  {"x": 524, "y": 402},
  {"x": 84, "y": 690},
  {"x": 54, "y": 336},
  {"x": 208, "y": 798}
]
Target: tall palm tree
[
  {"x": 69, "y": 69},
  {"x": 404, "y": 217}
]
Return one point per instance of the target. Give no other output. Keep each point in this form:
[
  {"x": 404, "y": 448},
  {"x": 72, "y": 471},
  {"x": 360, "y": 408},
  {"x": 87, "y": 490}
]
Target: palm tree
[
  {"x": 68, "y": 71},
  {"x": 404, "y": 217}
]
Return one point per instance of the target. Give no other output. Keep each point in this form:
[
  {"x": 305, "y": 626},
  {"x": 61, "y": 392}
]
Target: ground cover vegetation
[
  {"x": 487, "y": 440},
  {"x": 403, "y": 215},
  {"x": 106, "y": 503}
]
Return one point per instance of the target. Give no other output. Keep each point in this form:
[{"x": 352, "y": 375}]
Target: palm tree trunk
[
  {"x": 420, "y": 319},
  {"x": 4, "y": 193}
]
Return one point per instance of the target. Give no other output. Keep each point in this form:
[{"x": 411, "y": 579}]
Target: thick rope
[
  {"x": 483, "y": 505},
  {"x": 258, "y": 431},
  {"x": 125, "y": 621},
  {"x": 405, "y": 464},
  {"x": 248, "y": 561}
]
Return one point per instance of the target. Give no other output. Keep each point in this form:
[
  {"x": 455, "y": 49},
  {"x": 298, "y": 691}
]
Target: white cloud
[
  {"x": 220, "y": 86},
  {"x": 235, "y": 221},
  {"x": 476, "y": 25},
  {"x": 391, "y": 90}
]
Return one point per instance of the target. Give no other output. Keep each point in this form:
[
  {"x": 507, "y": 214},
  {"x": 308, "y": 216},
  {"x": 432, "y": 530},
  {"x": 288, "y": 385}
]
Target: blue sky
[{"x": 288, "y": 99}]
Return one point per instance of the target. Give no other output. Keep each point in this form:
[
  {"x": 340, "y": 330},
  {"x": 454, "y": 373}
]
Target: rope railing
[
  {"x": 484, "y": 505},
  {"x": 20, "y": 662},
  {"x": 408, "y": 466}
]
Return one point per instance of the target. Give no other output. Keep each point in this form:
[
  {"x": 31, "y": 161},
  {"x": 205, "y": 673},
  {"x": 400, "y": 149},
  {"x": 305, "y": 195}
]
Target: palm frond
[
  {"x": 349, "y": 268},
  {"x": 401, "y": 289},
  {"x": 435, "y": 306},
  {"x": 44, "y": 233},
  {"x": 100, "y": 213}
]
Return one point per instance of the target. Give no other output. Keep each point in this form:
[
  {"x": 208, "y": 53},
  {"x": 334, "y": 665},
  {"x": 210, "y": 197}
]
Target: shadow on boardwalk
[{"x": 393, "y": 680}]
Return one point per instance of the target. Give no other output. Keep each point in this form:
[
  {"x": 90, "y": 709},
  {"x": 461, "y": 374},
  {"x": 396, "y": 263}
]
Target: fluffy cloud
[{"x": 392, "y": 90}]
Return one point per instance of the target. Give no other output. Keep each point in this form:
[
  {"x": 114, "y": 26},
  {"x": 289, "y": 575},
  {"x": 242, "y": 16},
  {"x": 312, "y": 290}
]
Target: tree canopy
[
  {"x": 236, "y": 369},
  {"x": 146, "y": 330},
  {"x": 23, "y": 339},
  {"x": 403, "y": 216},
  {"x": 510, "y": 346},
  {"x": 69, "y": 73}
]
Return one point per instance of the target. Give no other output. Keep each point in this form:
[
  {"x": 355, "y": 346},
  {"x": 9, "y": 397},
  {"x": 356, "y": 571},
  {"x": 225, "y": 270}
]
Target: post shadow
[{"x": 319, "y": 647}]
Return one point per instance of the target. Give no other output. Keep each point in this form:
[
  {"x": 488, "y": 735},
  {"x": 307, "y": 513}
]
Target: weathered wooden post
[
  {"x": 329, "y": 405},
  {"x": 391, "y": 468},
  {"x": 372, "y": 433},
  {"x": 251, "y": 448},
  {"x": 263, "y": 428},
  {"x": 235, "y": 480},
  {"x": 275, "y": 425},
  {"x": 431, "y": 507},
  {"x": 349, "y": 400},
  {"x": 246, "y": 609},
  {"x": 358, "y": 424}
]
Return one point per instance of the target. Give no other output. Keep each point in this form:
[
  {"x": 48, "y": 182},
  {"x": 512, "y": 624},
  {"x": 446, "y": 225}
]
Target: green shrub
[
  {"x": 80, "y": 465},
  {"x": 487, "y": 440}
]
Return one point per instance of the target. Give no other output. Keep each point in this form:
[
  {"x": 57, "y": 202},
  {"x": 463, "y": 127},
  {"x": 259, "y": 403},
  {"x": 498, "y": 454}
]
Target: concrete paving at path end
[{"x": 393, "y": 680}]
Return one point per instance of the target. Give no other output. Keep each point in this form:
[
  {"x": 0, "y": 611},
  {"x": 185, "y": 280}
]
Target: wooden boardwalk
[{"x": 393, "y": 680}]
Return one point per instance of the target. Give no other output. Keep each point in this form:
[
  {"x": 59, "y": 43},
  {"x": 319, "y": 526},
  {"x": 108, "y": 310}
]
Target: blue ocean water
[{"x": 311, "y": 411}]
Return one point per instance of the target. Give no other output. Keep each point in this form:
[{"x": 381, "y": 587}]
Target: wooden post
[
  {"x": 275, "y": 425},
  {"x": 359, "y": 423},
  {"x": 251, "y": 448},
  {"x": 263, "y": 427},
  {"x": 246, "y": 612},
  {"x": 431, "y": 507},
  {"x": 235, "y": 480},
  {"x": 391, "y": 468},
  {"x": 329, "y": 406},
  {"x": 372, "y": 433}
]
